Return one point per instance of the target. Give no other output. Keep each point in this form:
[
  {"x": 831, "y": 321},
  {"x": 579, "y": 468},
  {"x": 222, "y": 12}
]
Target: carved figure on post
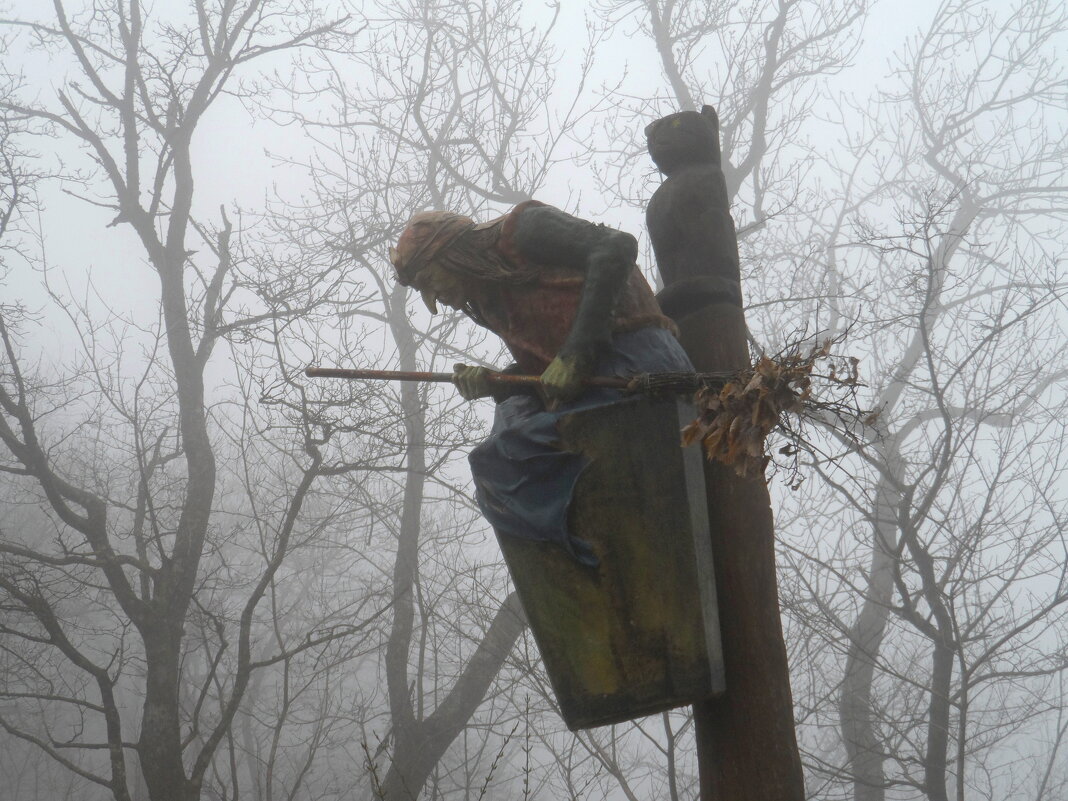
[
  {"x": 747, "y": 748},
  {"x": 688, "y": 217},
  {"x": 566, "y": 297}
]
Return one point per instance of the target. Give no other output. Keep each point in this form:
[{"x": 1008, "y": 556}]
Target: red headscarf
[{"x": 428, "y": 233}]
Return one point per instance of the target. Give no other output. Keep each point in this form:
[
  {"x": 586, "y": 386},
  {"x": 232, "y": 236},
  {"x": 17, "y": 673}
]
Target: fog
[{"x": 220, "y": 579}]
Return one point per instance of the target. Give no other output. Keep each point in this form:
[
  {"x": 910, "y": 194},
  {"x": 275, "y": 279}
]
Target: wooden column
[{"x": 747, "y": 747}]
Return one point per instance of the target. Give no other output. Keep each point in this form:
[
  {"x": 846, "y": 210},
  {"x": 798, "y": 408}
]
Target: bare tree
[
  {"x": 244, "y": 580},
  {"x": 121, "y": 590},
  {"x": 950, "y": 637},
  {"x": 453, "y": 112},
  {"x": 762, "y": 65},
  {"x": 944, "y": 174}
]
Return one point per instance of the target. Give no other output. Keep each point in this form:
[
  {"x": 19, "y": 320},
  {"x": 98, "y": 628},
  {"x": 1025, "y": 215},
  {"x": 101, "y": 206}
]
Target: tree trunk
[
  {"x": 860, "y": 736},
  {"x": 747, "y": 748},
  {"x": 159, "y": 746},
  {"x": 420, "y": 742}
]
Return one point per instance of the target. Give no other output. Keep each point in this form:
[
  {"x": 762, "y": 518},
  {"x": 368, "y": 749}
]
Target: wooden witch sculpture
[{"x": 569, "y": 302}]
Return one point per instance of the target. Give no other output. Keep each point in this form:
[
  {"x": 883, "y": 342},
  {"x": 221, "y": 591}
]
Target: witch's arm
[{"x": 546, "y": 235}]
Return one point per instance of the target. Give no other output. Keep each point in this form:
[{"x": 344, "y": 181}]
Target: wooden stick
[{"x": 509, "y": 379}]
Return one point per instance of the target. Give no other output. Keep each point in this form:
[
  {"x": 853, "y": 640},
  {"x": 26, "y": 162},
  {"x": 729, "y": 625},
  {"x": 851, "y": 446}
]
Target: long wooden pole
[
  {"x": 746, "y": 744},
  {"x": 649, "y": 383},
  {"x": 506, "y": 379}
]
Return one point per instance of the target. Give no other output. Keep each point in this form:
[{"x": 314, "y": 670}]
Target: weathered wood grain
[{"x": 640, "y": 633}]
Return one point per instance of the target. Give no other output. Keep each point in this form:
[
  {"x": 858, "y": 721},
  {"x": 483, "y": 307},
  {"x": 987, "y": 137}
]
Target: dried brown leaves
[{"x": 734, "y": 420}]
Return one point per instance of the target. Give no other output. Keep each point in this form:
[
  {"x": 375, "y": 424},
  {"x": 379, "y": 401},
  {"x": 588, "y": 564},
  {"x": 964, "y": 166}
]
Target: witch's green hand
[
  {"x": 472, "y": 381},
  {"x": 562, "y": 379}
]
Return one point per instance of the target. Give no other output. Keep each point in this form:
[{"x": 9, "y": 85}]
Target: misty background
[{"x": 222, "y": 580}]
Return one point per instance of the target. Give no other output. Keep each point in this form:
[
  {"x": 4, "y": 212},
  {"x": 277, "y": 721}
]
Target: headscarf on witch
[{"x": 459, "y": 245}]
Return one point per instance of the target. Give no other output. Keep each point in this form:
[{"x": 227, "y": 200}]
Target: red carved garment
[{"x": 534, "y": 318}]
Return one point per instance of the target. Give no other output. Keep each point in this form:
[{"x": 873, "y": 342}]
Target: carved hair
[
  {"x": 474, "y": 254},
  {"x": 454, "y": 243}
]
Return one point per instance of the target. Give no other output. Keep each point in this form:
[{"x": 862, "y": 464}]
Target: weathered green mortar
[{"x": 640, "y": 633}]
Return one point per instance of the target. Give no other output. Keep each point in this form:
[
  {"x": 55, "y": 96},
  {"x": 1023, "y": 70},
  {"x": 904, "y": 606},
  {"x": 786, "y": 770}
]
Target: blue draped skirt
[{"x": 523, "y": 479}]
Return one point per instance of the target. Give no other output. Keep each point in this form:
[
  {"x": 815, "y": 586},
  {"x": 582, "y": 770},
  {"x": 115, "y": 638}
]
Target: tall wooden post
[{"x": 747, "y": 747}]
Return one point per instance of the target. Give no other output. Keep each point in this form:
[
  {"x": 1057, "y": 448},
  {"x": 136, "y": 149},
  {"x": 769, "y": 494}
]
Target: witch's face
[{"x": 435, "y": 283}]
